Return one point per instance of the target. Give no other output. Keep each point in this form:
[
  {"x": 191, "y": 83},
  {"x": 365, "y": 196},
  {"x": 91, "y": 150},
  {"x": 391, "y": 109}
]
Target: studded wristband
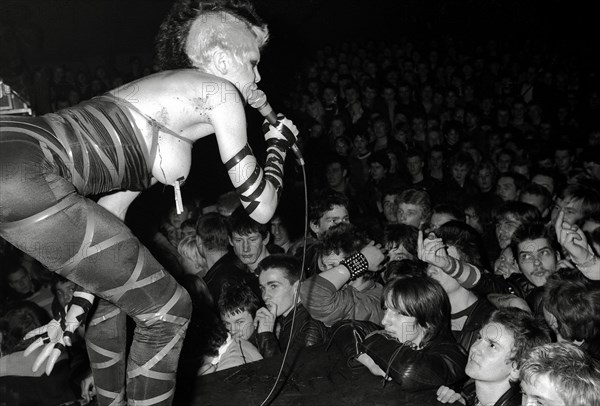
[{"x": 356, "y": 264}]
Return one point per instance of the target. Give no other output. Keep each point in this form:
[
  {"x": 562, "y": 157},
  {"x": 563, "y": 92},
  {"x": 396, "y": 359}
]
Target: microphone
[{"x": 258, "y": 100}]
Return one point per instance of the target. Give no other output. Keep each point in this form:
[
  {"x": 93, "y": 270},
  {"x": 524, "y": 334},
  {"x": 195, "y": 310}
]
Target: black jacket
[
  {"x": 306, "y": 333},
  {"x": 441, "y": 362},
  {"x": 467, "y": 336},
  {"x": 512, "y": 397},
  {"x": 229, "y": 269}
]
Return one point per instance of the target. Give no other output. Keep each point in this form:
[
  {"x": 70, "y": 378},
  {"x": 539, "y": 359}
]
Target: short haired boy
[
  {"x": 494, "y": 359},
  {"x": 237, "y": 306},
  {"x": 248, "y": 237},
  {"x": 559, "y": 374},
  {"x": 279, "y": 276},
  {"x": 329, "y": 297}
]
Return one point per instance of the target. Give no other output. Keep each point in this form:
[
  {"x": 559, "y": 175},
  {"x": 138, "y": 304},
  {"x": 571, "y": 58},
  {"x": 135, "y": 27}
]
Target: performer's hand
[
  {"x": 432, "y": 250},
  {"x": 264, "y": 320},
  {"x": 573, "y": 239},
  {"x": 284, "y": 135},
  {"x": 56, "y": 334},
  {"x": 52, "y": 336}
]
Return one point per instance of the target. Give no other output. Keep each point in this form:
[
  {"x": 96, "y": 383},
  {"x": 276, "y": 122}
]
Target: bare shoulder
[
  {"x": 185, "y": 82},
  {"x": 182, "y": 99}
]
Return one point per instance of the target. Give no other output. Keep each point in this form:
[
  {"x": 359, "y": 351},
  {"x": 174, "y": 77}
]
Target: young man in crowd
[
  {"x": 325, "y": 211},
  {"x": 223, "y": 265},
  {"x": 539, "y": 197},
  {"x": 509, "y": 217},
  {"x": 279, "y": 276},
  {"x": 23, "y": 287},
  {"x": 443, "y": 213},
  {"x": 559, "y": 374},
  {"x": 537, "y": 255},
  {"x": 331, "y": 296},
  {"x": 494, "y": 359},
  {"x": 577, "y": 202},
  {"x": 509, "y": 185},
  {"x": 248, "y": 238},
  {"x": 414, "y": 208},
  {"x": 418, "y": 178},
  {"x": 237, "y": 306},
  {"x": 468, "y": 309}
]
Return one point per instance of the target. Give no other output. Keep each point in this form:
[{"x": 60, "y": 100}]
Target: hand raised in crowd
[
  {"x": 375, "y": 256},
  {"x": 264, "y": 321},
  {"x": 573, "y": 239},
  {"x": 505, "y": 267},
  {"x": 432, "y": 250}
]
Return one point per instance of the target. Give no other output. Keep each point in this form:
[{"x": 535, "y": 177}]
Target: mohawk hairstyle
[{"x": 174, "y": 30}]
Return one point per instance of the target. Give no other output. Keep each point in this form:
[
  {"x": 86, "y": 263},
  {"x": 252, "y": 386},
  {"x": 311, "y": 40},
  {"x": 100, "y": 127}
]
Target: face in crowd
[
  {"x": 537, "y": 260},
  {"x": 337, "y": 215},
  {"x": 249, "y": 248},
  {"x": 240, "y": 324},
  {"x": 277, "y": 291}
]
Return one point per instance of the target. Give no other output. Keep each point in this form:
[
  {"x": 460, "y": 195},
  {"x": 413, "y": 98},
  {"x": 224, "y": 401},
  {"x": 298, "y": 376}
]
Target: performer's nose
[{"x": 256, "y": 76}]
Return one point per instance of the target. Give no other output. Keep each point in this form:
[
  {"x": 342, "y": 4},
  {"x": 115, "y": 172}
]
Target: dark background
[
  {"x": 88, "y": 33},
  {"x": 34, "y": 33}
]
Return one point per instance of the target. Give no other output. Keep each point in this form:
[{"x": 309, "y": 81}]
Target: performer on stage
[{"x": 119, "y": 144}]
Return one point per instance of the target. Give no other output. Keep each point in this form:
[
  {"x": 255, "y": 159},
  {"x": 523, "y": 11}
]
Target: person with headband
[{"x": 117, "y": 145}]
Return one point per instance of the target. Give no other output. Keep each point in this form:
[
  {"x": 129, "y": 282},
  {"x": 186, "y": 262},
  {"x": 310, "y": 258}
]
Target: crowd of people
[{"x": 454, "y": 233}]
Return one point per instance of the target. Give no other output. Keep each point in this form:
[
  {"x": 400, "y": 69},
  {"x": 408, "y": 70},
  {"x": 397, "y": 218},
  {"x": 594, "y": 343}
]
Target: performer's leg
[
  {"x": 106, "y": 341},
  {"x": 41, "y": 214}
]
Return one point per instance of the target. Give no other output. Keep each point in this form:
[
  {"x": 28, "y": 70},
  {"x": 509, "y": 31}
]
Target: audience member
[
  {"x": 494, "y": 359},
  {"x": 23, "y": 287},
  {"x": 400, "y": 241},
  {"x": 559, "y": 374},
  {"x": 223, "y": 265},
  {"x": 19, "y": 384},
  {"x": 414, "y": 208},
  {"x": 579, "y": 321},
  {"x": 249, "y": 238},
  {"x": 279, "y": 276},
  {"x": 468, "y": 311},
  {"x": 509, "y": 185},
  {"x": 416, "y": 350},
  {"x": 336, "y": 294}
]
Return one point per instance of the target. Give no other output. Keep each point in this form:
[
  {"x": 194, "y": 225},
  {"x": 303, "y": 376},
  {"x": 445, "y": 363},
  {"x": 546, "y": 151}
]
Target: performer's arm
[
  {"x": 118, "y": 203},
  {"x": 259, "y": 191}
]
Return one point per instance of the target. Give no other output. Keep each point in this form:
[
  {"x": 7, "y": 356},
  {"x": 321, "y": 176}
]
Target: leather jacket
[
  {"x": 512, "y": 397},
  {"x": 306, "y": 333},
  {"x": 467, "y": 336},
  {"x": 440, "y": 362}
]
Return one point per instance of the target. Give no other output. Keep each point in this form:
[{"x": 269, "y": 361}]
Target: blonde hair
[
  {"x": 574, "y": 373},
  {"x": 188, "y": 248},
  {"x": 222, "y": 30}
]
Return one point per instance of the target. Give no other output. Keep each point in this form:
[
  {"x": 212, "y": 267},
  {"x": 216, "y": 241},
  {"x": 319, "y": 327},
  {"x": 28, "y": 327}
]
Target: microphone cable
[{"x": 296, "y": 293}]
